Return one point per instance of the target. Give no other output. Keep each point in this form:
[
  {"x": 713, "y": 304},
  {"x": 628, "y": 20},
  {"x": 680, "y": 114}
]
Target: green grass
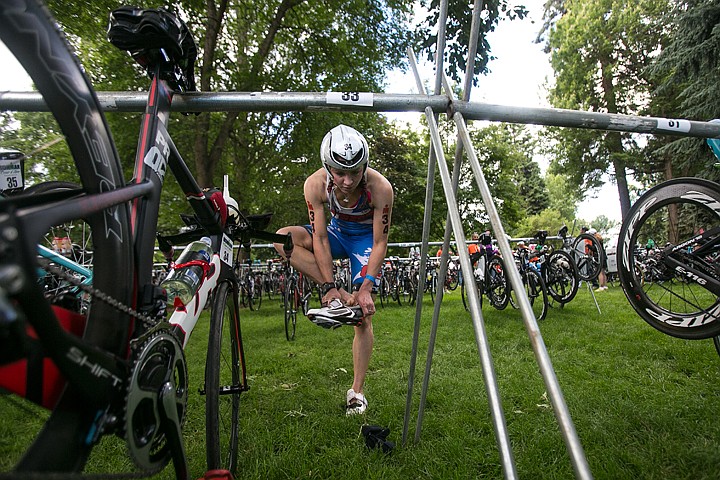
[{"x": 642, "y": 402}]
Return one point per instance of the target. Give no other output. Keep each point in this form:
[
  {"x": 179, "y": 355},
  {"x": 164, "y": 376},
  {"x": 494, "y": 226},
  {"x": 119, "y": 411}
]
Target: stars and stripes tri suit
[{"x": 350, "y": 231}]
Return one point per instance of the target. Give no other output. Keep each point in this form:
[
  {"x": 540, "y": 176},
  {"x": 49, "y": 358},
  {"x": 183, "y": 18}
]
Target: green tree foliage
[
  {"x": 599, "y": 49},
  {"x": 282, "y": 45},
  {"x": 686, "y": 78},
  {"x": 549, "y": 219},
  {"x": 504, "y": 152},
  {"x": 563, "y": 196},
  {"x": 458, "y": 29}
]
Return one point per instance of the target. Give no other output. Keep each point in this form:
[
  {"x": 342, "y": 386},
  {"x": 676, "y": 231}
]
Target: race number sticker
[
  {"x": 363, "y": 99},
  {"x": 226, "y": 250},
  {"x": 10, "y": 175},
  {"x": 682, "y": 126}
]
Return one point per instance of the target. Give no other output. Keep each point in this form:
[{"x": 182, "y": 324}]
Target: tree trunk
[
  {"x": 615, "y": 145},
  {"x": 208, "y": 152}
]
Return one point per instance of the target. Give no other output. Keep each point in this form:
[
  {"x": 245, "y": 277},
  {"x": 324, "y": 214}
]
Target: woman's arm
[
  {"x": 315, "y": 200},
  {"x": 382, "y": 200}
]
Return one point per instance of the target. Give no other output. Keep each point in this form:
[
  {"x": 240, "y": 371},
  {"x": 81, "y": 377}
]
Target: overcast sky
[{"x": 518, "y": 77}]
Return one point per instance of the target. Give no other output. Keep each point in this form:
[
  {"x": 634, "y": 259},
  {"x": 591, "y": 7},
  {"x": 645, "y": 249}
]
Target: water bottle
[{"x": 182, "y": 283}]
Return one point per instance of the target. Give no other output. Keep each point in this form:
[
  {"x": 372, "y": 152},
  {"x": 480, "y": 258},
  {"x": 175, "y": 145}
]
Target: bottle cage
[{"x": 156, "y": 37}]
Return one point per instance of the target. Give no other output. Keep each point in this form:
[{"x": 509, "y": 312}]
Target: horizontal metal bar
[{"x": 383, "y": 102}]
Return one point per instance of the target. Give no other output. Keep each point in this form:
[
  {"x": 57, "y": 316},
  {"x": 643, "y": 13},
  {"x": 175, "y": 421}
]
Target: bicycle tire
[
  {"x": 466, "y": 294},
  {"x": 452, "y": 280},
  {"x": 537, "y": 293},
  {"x": 384, "y": 293},
  {"x": 224, "y": 380},
  {"x": 561, "y": 276},
  {"x": 497, "y": 283},
  {"x": 589, "y": 259},
  {"x": 257, "y": 291},
  {"x": 290, "y": 309},
  {"x": 34, "y": 38},
  {"x": 664, "y": 297},
  {"x": 396, "y": 291},
  {"x": 306, "y": 293}
]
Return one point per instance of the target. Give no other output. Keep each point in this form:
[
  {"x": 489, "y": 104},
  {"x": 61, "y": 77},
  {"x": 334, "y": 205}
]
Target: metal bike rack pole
[
  {"x": 492, "y": 390},
  {"x": 430, "y": 188},
  {"x": 562, "y": 414},
  {"x": 381, "y": 102}
]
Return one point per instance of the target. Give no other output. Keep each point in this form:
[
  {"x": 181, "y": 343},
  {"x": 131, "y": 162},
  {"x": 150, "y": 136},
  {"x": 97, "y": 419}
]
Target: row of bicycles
[{"x": 551, "y": 269}]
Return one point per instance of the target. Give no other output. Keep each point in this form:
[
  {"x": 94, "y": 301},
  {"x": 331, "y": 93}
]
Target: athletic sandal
[
  {"x": 335, "y": 315},
  {"x": 356, "y": 403}
]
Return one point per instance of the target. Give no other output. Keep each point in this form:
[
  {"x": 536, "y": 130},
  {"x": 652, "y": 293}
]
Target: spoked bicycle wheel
[
  {"x": 465, "y": 293},
  {"x": 384, "y": 293},
  {"x": 561, "y": 277},
  {"x": 497, "y": 283},
  {"x": 92, "y": 162},
  {"x": 225, "y": 379},
  {"x": 589, "y": 256},
  {"x": 536, "y": 292},
  {"x": 66, "y": 248},
  {"x": 668, "y": 261}
]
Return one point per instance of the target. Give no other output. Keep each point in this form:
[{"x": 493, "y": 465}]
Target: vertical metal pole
[
  {"x": 491, "y": 387},
  {"x": 427, "y": 218},
  {"x": 562, "y": 414}
]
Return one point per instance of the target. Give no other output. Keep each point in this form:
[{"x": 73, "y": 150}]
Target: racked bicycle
[
  {"x": 669, "y": 256},
  {"x": 121, "y": 359}
]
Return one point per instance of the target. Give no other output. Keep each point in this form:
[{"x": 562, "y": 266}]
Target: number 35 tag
[{"x": 363, "y": 99}]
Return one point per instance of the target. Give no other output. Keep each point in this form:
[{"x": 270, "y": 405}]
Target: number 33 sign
[{"x": 362, "y": 99}]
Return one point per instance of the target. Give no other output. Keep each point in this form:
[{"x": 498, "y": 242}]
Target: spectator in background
[{"x": 602, "y": 276}]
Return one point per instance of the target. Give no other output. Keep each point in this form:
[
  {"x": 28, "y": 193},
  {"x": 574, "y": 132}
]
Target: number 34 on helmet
[{"x": 344, "y": 148}]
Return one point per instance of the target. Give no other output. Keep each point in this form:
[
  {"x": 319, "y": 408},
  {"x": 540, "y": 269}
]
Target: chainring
[{"x": 158, "y": 360}]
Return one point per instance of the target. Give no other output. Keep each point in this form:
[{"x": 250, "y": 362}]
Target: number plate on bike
[{"x": 226, "y": 250}]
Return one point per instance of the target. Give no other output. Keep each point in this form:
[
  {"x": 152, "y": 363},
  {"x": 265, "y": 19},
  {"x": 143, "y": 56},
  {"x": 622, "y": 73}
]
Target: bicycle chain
[{"x": 147, "y": 321}]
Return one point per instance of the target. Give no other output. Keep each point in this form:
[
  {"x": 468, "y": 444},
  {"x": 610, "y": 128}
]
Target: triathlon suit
[{"x": 350, "y": 231}]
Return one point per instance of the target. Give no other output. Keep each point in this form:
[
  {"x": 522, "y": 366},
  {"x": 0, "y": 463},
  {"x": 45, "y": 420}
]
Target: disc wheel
[
  {"x": 668, "y": 258},
  {"x": 88, "y": 157}
]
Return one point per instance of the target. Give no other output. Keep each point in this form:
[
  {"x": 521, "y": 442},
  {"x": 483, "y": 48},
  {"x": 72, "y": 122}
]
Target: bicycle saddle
[{"x": 144, "y": 32}]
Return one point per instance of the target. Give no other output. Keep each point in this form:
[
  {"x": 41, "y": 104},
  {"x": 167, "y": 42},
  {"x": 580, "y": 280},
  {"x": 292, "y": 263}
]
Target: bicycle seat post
[{"x": 288, "y": 246}]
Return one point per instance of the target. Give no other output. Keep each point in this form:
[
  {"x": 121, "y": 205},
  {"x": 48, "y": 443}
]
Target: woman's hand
[{"x": 365, "y": 300}]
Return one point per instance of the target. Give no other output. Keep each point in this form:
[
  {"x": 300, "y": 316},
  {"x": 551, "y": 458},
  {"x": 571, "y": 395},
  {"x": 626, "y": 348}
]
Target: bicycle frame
[{"x": 99, "y": 375}]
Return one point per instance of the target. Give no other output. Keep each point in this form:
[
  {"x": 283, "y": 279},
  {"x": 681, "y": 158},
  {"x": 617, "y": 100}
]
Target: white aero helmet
[{"x": 344, "y": 148}]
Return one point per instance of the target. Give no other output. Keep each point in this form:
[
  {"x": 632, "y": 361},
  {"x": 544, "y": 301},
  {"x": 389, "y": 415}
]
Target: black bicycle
[
  {"x": 558, "y": 270},
  {"x": 489, "y": 275},
  {"x": 587, "y": 252},
  {"x": 676, "y": 286},
  {"x": 124, "y": 369}
]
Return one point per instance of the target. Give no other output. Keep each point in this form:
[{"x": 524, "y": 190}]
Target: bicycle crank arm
[{"x": 171, "y": 426}]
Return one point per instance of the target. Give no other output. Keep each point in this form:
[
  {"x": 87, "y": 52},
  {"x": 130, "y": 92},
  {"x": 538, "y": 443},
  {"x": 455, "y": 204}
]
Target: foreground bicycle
[
  {"x": 122, "y": 360},
  {"x": 679, "y": 294}
]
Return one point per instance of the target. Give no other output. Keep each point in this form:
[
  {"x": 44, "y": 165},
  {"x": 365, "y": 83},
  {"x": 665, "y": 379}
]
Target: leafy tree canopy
[{"x": 458, "y": 31}]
